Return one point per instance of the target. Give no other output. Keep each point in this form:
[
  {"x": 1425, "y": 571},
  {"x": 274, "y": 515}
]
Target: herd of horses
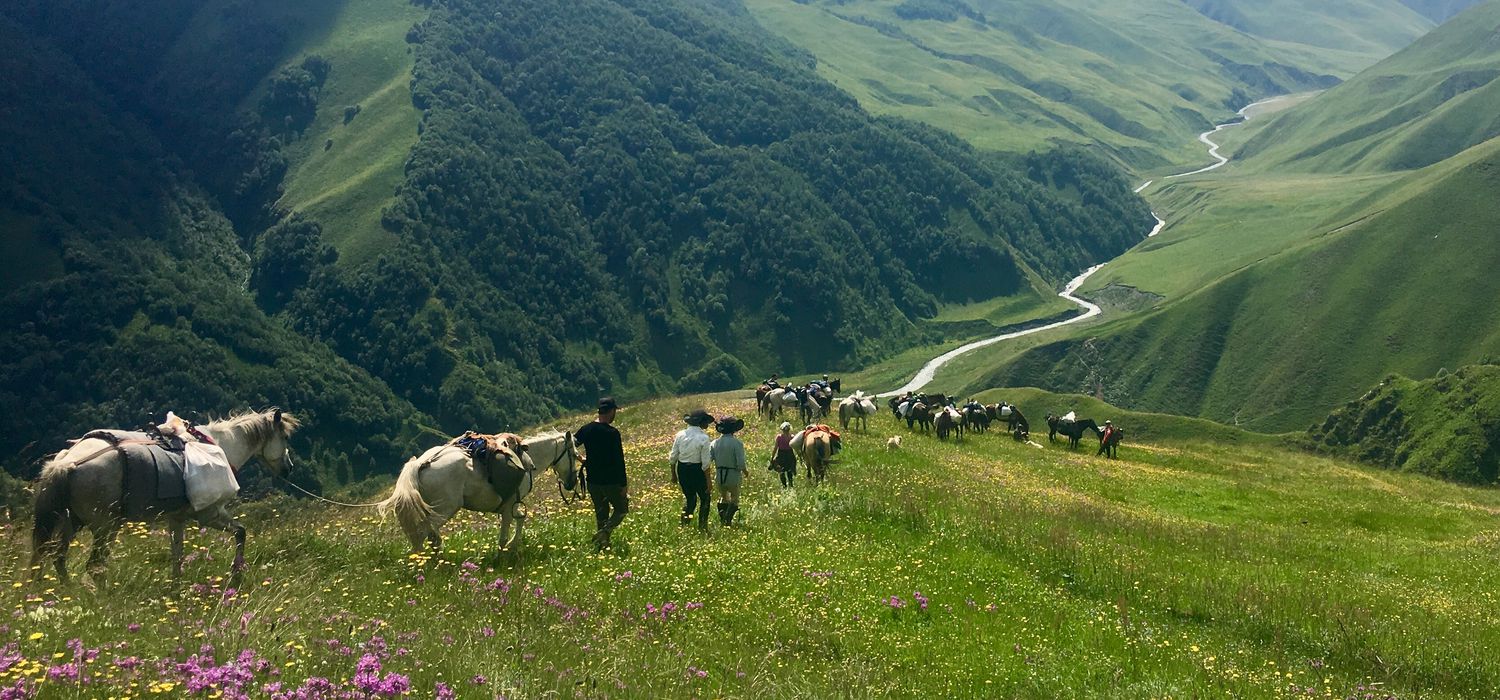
[{"x": 97, "y": 482}]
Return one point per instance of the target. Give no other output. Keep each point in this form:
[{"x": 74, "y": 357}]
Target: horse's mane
[{"x": 258, "y": 426}]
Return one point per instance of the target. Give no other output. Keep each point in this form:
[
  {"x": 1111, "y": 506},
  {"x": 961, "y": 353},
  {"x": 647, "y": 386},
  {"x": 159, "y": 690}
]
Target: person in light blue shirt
[{"x": 731, "y": 466}]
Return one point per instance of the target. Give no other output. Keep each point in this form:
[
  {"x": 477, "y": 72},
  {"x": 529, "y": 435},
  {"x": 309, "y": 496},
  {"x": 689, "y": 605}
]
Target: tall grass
[{"x": 984, "y": 569}]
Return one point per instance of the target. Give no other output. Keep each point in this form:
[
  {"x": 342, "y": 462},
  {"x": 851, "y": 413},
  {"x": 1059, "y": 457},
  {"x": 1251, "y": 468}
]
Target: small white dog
[{"x": 894, "y": 443}]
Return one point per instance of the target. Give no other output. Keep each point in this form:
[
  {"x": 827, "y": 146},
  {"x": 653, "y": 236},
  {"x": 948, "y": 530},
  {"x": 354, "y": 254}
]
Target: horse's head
[
  {"x": 265, "y": 436},
  {"x": 557, "y": 452}
]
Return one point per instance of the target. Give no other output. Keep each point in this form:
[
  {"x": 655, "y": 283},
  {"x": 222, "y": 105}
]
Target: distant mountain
[
  {"x": 1137, "y": 80},
  {"x": 478, "y": 219},
  {"x": 1426, "y": 103}
]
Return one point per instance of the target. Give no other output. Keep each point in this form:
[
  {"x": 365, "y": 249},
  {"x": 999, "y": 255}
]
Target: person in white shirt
[{"x": 691, "y": 459}]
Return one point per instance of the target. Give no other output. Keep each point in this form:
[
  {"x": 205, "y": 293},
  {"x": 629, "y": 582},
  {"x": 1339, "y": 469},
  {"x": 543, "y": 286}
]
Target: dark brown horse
[
  {"x": 921, "y": 415},
  {"x": 1109, "y": 442},
  {"x": 1072, "y": 430}
]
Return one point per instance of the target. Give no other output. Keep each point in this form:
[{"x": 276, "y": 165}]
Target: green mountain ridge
[
  {"x": 1137, "y": 80},
  {"x": 1420, "y": 106},
  {"x": 1284, "y": 293},
  {"x": 622, "y": 197}
]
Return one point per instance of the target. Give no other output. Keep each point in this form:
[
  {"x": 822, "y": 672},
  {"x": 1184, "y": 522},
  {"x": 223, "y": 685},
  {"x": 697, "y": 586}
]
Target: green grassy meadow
[
  {"x": 1204, "y": 563},
  {"x": 346, "y": 185}
]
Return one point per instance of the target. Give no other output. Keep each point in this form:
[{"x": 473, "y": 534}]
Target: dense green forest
[{"x": 633, "y": 197}]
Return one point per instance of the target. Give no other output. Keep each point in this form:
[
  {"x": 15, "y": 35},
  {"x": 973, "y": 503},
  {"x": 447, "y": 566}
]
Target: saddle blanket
[{"x": 153, "y": 482}]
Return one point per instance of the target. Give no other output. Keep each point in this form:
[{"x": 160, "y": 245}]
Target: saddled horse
[
  {"x": 1017, "y": 424},
  {"x": 814, "y": 405},
  {"x": 434, "y": 486},
  {"x": 856, "y": 407},
  {"x": 921, "y": 415},
  {"x": 1072, "y": 430},
  {"x": 817, "y": 449},
  {"x": 88, "y": 485},
  {"x": 975, "y": 419},
  {"x": 779, "y": 399},
  {"x": 949, "y": 420},
  {"x": 1109, "y": 445}
]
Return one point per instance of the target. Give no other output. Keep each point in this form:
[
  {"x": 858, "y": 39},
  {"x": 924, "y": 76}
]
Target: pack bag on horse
[
  {"x": 480, "y": 473},
  {"x": 1070, "y": 427},
  {"x": 816, "y": 445},
  {"x": 857, "y": 407},
  {"x": 949, "y": 420},
  {"x": 779, "y": 399},
  {"x": 975, "y": 417},
  {"x": 110, "y": 477},
  {"x": 1109, "y": 440}
]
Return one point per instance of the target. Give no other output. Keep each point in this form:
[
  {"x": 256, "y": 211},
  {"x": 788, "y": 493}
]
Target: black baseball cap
[{"x": 607, "y": 404}]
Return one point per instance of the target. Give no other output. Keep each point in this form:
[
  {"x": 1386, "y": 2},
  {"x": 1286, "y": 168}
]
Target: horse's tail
[
  {"x": 54, "y": 494},
  {"x": 406, "y": 500}
]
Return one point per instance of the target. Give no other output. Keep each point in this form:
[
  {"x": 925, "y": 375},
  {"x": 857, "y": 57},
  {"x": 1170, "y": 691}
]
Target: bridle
[{"x": 568, "y": 496}]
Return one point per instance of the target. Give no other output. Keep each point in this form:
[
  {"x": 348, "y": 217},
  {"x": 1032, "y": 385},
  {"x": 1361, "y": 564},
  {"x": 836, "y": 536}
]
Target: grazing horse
[
  {"x": 921, "y": 415},
  {"x": 949, "y": 420},
  {"x": 817, "y": 448},
  {"x": 1072, "y": 430},
  {"x": 434, "y": 486},
  {"x": 856, "y": 407},
  {"x": 88, "y": 485}
]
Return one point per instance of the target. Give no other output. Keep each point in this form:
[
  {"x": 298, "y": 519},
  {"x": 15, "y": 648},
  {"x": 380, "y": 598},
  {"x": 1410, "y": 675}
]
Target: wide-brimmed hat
[
  {"x": 729, "y": 424},
  {"x": 699, "y": 418}
]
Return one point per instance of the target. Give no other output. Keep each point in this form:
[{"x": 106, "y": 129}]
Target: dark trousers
[
  {"x": 694, "y": 485},
  {"x": 607, "y": 497}
]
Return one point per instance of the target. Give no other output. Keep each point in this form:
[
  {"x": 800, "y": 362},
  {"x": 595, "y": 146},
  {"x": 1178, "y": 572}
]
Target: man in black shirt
[{"x": 604, "y": 462}]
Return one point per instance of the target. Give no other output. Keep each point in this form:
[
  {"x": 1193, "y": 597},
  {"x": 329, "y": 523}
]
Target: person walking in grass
[
  {"x": 690, "y": 457},
  {"x": 784, "y": 460},
  {"x": 730, "y": 466},
  {"x": 604, "y": 463}
]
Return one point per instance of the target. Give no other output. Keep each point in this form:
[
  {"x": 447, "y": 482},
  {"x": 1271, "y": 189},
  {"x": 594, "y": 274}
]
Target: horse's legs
[
  {"x": 176, "y": 526},
  {"x": 104, "y": 538}
]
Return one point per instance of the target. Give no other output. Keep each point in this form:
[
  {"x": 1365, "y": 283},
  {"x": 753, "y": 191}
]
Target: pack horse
[{"x": 110, "y": 477}]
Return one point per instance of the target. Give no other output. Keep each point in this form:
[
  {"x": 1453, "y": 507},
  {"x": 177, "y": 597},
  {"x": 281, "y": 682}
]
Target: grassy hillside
[
  {"x": 1448, "y": 426},
  {"x": 347, "y": 168},
  {"x": 1418, "y": 107},
  {"x": 987, "y": 569},
  {"x": 1136, "y": 79},
  {"x": 1382, "y": 285}
]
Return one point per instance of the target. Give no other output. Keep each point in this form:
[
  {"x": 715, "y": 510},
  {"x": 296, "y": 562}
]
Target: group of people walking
[{"x": 698, "y": 462}]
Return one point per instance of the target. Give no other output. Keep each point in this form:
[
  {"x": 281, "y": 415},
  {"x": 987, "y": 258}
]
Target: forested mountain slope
[
  {"x": 633, "y": 197},
  {"x": 1139, "y": 78},
  {"x": 1424, "y": 104}
]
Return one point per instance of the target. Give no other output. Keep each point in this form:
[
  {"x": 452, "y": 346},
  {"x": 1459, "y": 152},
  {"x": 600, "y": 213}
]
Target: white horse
[
  {"x": 779, "y": 399},
  {"x": 858, "y": 407},
  {"x": 434, "y": 486},
  {"x": 85, "y": 485}
]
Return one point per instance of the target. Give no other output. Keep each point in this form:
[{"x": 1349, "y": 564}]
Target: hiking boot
[
  {"x": 729, "y": 511},
  {"x": 687, "y": 519}
]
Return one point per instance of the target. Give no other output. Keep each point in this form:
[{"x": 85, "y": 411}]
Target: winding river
[{"x": 1090, "y": 310}]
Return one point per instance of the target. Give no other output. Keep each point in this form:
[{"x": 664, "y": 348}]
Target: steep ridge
[
  {"x": 1424, "y": 104},
  {"x": 1447, "y": 427},
  {"x": 141, "y": 307},
  {"x": 1136, "y": 79},
  {"x": 683, "y": 210}
]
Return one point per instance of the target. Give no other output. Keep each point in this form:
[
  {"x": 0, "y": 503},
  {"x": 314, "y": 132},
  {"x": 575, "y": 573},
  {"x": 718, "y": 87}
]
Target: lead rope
[{"x": 294, "y": 485}]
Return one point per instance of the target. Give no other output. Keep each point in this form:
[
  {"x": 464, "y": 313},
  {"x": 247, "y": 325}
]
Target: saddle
[
  {"x": 494, "y": 458},
  {"x": 153, "y": 482}
]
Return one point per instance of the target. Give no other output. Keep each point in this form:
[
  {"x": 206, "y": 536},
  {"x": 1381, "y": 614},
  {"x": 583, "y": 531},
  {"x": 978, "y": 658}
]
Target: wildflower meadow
[{"x": 987, "y": 568}]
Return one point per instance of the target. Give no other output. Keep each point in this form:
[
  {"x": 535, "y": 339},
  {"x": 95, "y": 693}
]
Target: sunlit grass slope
[
  {"x": 1428, "y": 102},
  {"x": 345, "y": 171},
  {"x": 1216, "y": 568},
  {"x": 1138, "y": 79}
]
